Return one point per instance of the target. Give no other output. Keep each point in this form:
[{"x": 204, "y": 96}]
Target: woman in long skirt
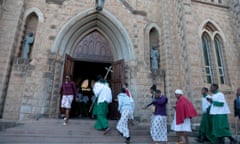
[
  {"x": 124, "y": 107},
  {"x": 158, "y": 129}
]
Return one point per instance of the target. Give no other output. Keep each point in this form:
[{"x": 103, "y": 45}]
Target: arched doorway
[
  {"x": 91, "y": 43},
  {"x": 92, "y": 57}
]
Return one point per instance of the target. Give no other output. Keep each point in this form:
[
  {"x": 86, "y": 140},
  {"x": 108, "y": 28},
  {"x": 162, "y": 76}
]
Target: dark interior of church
[{"x": 84, "y": 75}]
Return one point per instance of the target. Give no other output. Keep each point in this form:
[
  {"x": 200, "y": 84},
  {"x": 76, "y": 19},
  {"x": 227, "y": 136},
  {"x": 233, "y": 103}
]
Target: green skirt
[
  {"x": 101, "y": 110},
  {"x": 204, "y": 125},
  {"x": 218, "y": 128}
]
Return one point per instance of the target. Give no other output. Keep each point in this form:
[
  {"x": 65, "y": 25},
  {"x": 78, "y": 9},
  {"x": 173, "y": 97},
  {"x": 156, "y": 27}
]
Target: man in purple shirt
[
  {"x": 68, "y": 92},
  {"x": 158, "y": 127}
]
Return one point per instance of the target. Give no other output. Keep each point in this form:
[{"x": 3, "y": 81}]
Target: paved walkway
[{"x": 52, "y": 131}]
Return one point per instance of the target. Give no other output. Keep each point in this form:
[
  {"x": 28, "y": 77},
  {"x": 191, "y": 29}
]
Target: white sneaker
[
  {"x": 65, "y": 119},
  {"x": 64, "y": 123}
]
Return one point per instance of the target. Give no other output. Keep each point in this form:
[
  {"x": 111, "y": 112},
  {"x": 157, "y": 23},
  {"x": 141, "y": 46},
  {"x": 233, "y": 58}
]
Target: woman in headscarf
[{"x": 182, "y": 117}]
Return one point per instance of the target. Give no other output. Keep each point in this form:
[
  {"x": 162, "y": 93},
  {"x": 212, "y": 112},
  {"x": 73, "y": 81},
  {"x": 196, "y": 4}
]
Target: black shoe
[
  {"x": 201, "y": 139},
  {"x": 234, "y": 141},
  {"x": 221, "y": 141},
  {"x": 128, "y": 139}
]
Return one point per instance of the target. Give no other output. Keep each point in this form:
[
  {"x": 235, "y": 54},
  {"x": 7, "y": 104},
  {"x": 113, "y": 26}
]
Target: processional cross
[{"x": 108, "y": 70}]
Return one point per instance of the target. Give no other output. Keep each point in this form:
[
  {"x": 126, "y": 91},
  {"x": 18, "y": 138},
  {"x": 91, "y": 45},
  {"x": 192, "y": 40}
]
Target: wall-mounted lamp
[{"x": 99, "y": 5}]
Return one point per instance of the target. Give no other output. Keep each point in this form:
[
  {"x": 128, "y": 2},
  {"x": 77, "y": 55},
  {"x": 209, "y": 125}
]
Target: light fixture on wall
[{"x": 99, "y": 5}]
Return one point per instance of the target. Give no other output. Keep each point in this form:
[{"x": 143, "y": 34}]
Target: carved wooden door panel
[
  {"x": 117, "y": 80},
  {"x": 68, "y": 66}
]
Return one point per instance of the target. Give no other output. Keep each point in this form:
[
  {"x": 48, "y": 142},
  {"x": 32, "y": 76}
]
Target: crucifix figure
[{"x": 108, "y": 70}]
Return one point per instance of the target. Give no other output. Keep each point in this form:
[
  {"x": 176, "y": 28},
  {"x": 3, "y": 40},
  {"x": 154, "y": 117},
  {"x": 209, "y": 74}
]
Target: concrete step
[{"x": 77, "y": 131}]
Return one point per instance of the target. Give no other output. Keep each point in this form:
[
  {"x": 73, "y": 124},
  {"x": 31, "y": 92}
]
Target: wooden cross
[{"x": 108, "y": 70}]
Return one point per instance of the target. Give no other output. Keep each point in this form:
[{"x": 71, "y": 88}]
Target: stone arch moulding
[
  {"x": 87, "y": 21},
  {"x": 147, "y": 38},
  {"x": 37, "y": 11},
  {"x": 201, "y": 28}
]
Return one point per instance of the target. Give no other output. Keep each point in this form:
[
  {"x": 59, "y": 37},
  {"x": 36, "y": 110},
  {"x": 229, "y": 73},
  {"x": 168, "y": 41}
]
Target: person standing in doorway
[
  {"x": 68, "y": 91},
  {"x": 219, "y": 111},
  {"x": 103, "y": 95},
  {"x": 125, "y": 109},
  {"x": 204, "y": 125},
  {"x": 131, "y": 118},
  {"x": 158, "y": 129},
  {"x": 184, "y": 111}
]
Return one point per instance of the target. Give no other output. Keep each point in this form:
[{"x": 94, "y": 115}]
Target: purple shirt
[
  {"x": 68, "y": 88},
  {"x": 160, "y": 105}
]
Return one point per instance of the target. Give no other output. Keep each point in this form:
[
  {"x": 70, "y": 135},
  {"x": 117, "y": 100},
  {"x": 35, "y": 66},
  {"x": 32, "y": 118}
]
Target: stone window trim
[
  {"x": 147, "y": 43},
  {"x": 217, "y": 63},
  {"x": 37, "y": 11},
  {"x": 40, "y": 19}
]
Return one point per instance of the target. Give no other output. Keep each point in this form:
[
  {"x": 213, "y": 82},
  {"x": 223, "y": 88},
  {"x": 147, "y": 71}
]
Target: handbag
[{"x": 153, "y": 108}]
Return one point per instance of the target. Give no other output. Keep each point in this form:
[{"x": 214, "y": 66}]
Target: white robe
[
  {"x": 102, "y": 92},
  {"x": 205, "y": 104},
  {"x": 219, "y": 97}
]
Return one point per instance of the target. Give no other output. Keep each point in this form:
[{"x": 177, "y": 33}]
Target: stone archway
[
  {"x": 80, "y": 25},
  {"x": 105, "y": 24}
]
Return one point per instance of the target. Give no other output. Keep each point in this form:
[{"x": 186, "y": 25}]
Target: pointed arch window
[
  {"x": 213, "y": 53},
  {"x": 206, "y": 43},
  {"x": 219, "y": 55}
]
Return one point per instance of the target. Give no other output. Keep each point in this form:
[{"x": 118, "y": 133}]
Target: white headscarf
[{"x": 178, "y": 91}]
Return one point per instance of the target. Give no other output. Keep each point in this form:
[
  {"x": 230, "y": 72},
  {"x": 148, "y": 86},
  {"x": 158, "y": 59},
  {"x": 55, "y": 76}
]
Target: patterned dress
[
  {"x": 158, "y": 129},
  {"x": 125, "y": 108}
]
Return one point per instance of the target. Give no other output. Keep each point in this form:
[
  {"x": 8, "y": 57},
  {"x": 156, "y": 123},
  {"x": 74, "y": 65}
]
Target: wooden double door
[{"x": 83, "y": 71}]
